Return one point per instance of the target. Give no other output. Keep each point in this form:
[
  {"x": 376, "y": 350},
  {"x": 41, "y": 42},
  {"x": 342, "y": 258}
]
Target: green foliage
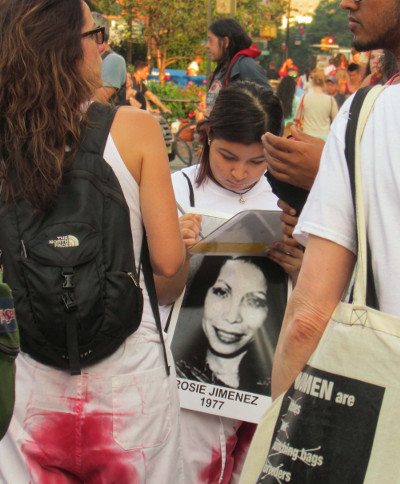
[
  {"x": 180, "y": 109},
  {"x": 329, "y": 20}
]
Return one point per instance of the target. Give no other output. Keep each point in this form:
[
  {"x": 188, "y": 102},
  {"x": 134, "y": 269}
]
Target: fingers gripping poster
[
  {"x": 223, "y": 334},
  {"x": 324, "y": 432}
]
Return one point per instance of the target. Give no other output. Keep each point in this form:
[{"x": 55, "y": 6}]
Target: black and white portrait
[{"x": 229, "y": 322}]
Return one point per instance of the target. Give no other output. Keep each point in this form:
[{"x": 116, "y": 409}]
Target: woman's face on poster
[{"x": 235, "y": 306}]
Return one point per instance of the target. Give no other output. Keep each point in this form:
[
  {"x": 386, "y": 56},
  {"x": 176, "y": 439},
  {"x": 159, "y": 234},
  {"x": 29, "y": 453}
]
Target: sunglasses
[{"x": 98, "y": 34}]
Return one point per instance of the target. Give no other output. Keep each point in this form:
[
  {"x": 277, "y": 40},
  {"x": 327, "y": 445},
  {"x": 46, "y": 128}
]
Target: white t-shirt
[
  {"x": 211, "y": 196},
  {"x": 329, "y": 212}
]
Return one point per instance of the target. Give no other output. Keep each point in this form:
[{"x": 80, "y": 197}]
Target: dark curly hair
[
  {"x": 242, "y": 113},
  {"x": 41, "y": 95}
]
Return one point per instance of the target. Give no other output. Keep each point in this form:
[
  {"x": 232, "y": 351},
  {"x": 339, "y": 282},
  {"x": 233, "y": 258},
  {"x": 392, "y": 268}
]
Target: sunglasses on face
[{"x": 98, "y": 34}]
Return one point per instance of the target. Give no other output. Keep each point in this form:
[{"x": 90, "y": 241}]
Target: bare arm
[
  {"x": 168, "y": 290},
  {"x": 294, "y": 160},
  {"x": 326, "y": 270},
  {"x": 139, "y": 140},
  {"x": 154, "y": 99}
]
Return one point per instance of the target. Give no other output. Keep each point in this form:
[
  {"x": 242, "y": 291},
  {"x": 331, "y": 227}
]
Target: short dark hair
[
  {"x": 242, "y": 113},
  {"x": 140, "y": 64},
  {"x": 353, "y": 67}
]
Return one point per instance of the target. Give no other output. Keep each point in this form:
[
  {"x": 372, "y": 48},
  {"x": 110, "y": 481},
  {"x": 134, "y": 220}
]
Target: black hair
[
  {"x": 140, "y": 64},
  {"x": 353, "y": 67},
  {"x": 242, "y": 113},
  {"x": 239, "y": 39},
  {"x": 286, "y": 91},
  {"x": 257, "y": 363}
]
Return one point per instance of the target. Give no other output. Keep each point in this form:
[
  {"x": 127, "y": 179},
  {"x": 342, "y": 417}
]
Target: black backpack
[{"x": 72, "y": 268}]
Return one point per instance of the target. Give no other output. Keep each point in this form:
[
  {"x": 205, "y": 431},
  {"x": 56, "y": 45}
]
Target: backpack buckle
[
  {"x": 67, "y": 275},
  {"x": 69, "y": 302}
]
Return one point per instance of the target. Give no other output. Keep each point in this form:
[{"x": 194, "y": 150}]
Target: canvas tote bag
[{"x": 339, "y": 423}]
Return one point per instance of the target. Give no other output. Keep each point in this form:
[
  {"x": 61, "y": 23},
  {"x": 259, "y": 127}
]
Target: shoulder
[
  {"x": 248, "y": 64},
  {"x": 181, "y": 185},
  {"x": 134, "y": 128},
  {"x": 142, "y": 119},
  {"x": 114, "y": 60},
  {"x": 247, "y": 69}
]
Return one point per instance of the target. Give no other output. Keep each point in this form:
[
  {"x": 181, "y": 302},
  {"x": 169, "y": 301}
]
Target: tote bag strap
[{"x": 368, "y": 102}]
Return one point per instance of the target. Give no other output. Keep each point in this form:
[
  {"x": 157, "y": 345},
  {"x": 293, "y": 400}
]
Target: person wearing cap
[
  {"x": 113, "y": 69},
  {"x": 332, "y": 88}
]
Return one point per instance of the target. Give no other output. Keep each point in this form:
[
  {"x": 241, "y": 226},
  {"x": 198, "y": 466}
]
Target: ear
[{"x": 226, "y": 41}]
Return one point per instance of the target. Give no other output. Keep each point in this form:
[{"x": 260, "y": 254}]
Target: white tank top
[{"x": 130, "y": 190}]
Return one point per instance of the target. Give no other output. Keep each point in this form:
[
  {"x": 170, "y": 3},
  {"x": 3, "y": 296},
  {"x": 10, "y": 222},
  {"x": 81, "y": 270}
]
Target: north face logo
[{"x": 65, "y": 241}]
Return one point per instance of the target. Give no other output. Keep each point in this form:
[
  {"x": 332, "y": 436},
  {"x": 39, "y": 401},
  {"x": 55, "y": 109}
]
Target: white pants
[
  {"x": 214, "y": 448},
  {"x": 117, "y": 422}
]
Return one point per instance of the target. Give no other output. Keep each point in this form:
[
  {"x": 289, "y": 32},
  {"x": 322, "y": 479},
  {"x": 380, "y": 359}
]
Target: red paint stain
[
  {"x": 211, "y": 473},
  {"x": 245, "y": 436},
  {"x": 237, "y": 446},
  {"x": 67, "y": 448}
]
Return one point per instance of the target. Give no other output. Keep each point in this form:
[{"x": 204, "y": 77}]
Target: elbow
[
  {"x": 168, "y": 267},
  {"x": 307, "y": 332}
]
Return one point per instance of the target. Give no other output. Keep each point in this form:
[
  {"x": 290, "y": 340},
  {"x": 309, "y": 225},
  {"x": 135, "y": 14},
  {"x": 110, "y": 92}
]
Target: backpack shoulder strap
[
  {"x": 191, "y": 191},
  {"x": 95, "y": 134}
]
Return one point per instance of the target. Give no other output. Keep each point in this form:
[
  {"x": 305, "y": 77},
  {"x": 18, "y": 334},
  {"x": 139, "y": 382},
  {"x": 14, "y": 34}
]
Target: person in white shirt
[{"x": 229, "y": 178}]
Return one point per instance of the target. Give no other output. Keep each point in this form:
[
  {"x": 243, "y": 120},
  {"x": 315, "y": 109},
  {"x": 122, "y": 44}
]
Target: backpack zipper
[
  {"x": 133, "y": 279},
  {"x": 9, "y": 351}
]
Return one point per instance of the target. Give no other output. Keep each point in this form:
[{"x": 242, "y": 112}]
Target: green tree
[
  {"x": 175, "y": 29},
  {"x": 329, "y": 20}
]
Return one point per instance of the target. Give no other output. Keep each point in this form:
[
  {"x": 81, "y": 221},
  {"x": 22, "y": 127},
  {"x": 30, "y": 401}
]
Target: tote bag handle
[{"x": 353, "y": 149}]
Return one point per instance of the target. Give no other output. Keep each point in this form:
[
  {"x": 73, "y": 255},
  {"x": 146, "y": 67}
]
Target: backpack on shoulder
[
  {"x": 72, "y": 269},
  {"x": 9, "y": 349}
]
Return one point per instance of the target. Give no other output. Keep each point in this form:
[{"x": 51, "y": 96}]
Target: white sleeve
[
  {"x": 181, "y": 190},
  {"x": 329, "y": 211}
]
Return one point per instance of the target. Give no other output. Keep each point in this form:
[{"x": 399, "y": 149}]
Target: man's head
[
  {"x": 292, "y": 72},
  {"x": 332, "y": 85},
  {"x": 101, "y": 21},
  {"x": 354, "y": 73},
  {"x": 141, "y": 70},
  {"x": 374, "y": 23}
]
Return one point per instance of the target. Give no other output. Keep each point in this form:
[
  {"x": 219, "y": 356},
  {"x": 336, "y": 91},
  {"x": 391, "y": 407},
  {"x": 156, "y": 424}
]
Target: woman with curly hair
[{"x": 105, "y": 424}]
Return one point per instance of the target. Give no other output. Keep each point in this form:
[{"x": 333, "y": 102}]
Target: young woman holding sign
[{"x": 229, "y": 178}]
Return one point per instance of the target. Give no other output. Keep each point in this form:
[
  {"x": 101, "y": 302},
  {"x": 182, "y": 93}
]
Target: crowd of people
[{"x": 96, "y": 399}]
